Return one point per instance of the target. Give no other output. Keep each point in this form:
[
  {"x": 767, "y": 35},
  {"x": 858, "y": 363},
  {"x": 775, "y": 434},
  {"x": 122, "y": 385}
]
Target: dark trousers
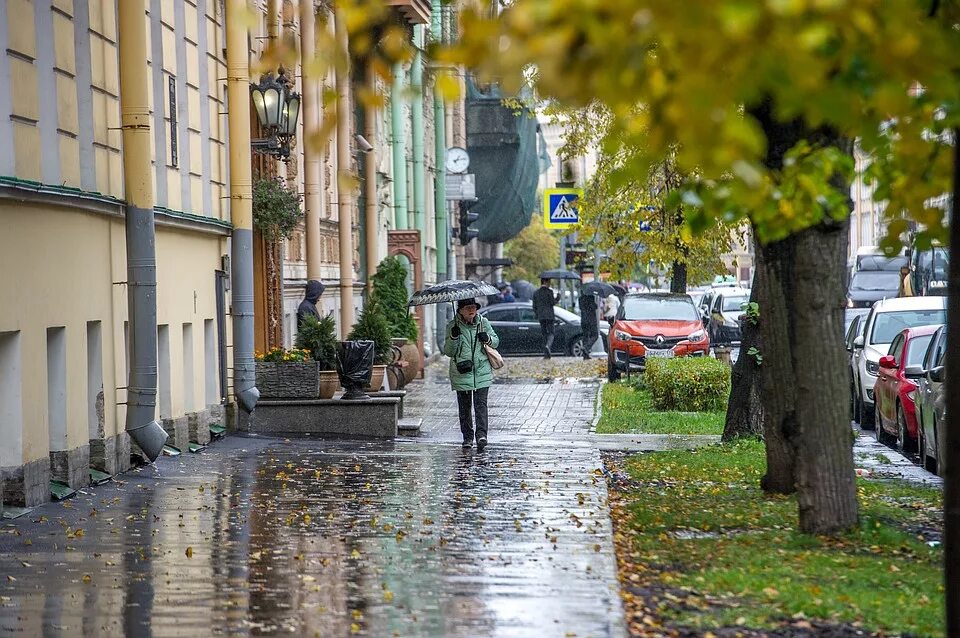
[
  {"x": 478, "y": 400},
  {"x": 546, "y": 329},
  {"x": 591, "y": 332}
]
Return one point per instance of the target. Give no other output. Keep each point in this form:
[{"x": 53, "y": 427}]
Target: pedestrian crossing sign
[{"x": 561, "y": 207}]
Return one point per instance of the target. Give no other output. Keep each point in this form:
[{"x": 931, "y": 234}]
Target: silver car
[{"x": 931, "y": 404}]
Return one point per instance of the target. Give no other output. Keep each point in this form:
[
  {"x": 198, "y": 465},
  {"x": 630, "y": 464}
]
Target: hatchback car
[
  {"x": 896, "y": 387},
  {"x": 886, "y": 319},
  {"x": 727, "y": 306},
  {"x": 931, "y": 404},
  {"x": 651, "y": 325},
  {"x": 519, "y": 331}
]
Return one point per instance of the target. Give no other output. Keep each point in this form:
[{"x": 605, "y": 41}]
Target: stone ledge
[{"x": 376, "y": 417}]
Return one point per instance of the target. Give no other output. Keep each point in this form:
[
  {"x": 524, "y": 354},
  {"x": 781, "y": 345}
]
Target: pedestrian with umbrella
[
  {"x": 543, "y": 303},
  {"x": 468, "y": 339}
]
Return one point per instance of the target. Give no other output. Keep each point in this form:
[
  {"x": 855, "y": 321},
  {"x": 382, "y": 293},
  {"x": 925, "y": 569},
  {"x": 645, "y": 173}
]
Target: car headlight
[
  {"x": 697, "y": 336},
  {"x": 620, "y": 335},
  {"x": 873, "y": 368}
]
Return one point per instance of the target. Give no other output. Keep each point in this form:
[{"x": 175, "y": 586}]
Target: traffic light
[{"x": 466, "y": 218}]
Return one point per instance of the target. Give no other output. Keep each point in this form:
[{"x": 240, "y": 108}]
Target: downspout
[
  {"x": 344, "y": 192},
  {"x": 311, "y": 152},
  {"x": 141, "y": 424},
  {"x": 440, "y": 151},
  {"x": 419, "y": 190},
  {"x": 241, "y": 204},
  {"x": 370, "y": 182},
  {"x": 398, "y": 135}
]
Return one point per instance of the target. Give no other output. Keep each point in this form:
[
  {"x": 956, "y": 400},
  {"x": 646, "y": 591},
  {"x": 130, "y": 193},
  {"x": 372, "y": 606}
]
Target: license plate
[{"x": 659, "y": 354}]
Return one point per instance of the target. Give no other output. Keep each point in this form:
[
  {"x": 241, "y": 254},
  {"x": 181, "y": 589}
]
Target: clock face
[{"x": 457, "y": 160}]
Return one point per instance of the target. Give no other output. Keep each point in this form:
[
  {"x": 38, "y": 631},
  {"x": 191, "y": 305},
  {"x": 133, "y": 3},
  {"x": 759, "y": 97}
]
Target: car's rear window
[
  {"x": 916, "y": 349},
  {"x": 731, "y": 304},
  {"x": 886, "y": 325},
  {"x": 659, "y": 308}
]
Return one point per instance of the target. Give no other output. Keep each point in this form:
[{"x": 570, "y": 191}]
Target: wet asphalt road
[{"x": 259, "y": 536}]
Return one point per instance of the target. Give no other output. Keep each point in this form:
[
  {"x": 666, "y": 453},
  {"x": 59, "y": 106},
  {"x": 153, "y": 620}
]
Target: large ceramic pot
[
  {"x": 288, "y": 379},
  {"x": 376, "y": 379},
  {"x": 329, "y": 383},
  {"x": 406, "y": 364}
]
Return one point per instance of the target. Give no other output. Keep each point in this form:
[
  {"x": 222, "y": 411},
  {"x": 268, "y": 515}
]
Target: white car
[{"x": 885, "y": 321}]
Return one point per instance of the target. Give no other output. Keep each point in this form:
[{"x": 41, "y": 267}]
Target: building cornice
[{"x": 28, "y": 191}]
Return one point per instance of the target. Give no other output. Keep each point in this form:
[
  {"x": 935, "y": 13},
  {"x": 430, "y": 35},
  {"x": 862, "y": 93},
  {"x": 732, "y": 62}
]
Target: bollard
[{"x": 722, "y": 354}]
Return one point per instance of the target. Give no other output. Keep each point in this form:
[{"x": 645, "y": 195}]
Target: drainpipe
[
  {"x": 372, "y": 225},
  {"x": 344, "y": 205},
  {"x": 440, "y": 174},
  {"x": 140, "y": 232},
  {"x": 311, "y": 153},
  {"x": 399, "y": 144},
  {"x": 419, "y": 194},
  {"x": 241, "y": 204}
]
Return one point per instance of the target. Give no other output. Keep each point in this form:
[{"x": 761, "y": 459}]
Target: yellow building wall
[{"x": 69, "y": 290}]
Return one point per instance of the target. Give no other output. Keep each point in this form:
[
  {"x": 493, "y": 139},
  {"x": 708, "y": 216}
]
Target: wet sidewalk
[{"x": 258, "y": 536}]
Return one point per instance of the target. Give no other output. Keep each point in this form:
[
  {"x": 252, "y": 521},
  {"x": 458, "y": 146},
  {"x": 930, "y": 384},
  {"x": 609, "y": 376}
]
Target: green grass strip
[
  {"x": 702, "y": 519},
  {"x": 627, "y": 409}
]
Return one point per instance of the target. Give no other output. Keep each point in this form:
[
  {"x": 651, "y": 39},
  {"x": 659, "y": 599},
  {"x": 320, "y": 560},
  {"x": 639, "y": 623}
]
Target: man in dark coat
[
  {"x": 309, "y": 304},
  {"x": 543, "y": 302},
  {"x": 589, "y": 323}
]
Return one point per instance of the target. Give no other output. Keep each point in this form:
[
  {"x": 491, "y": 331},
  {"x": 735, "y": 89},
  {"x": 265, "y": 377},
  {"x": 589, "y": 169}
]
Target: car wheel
[
  {"x": 612, "y": 373},
  {"x": 577, "y": 347},
  {"x": 935, "y": 465},
  {"x": 878, "y": 425},
  {"x": 904, "y": 444},
  {"x": 868, "y": 418},
  {"x": 922, "y": 446}
]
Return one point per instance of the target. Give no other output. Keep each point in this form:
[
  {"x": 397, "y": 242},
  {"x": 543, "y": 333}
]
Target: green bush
[
  {"x": 390, "y": 290},
  {"x": 319, "y": 336},
  {"x": 688, "y": 384},
  {"x": 372, "y": 326}
]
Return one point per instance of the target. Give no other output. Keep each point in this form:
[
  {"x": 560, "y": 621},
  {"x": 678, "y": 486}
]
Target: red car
[
  {"x": 896, "y": 385},
  {"x": 654, "y": 325}
]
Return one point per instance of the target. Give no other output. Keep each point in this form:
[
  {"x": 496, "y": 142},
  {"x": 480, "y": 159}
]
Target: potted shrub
[
  {"x": 287, "y": 374},
  {"x": 319, "y": 337},
  {"x": 390, "y": 291},
  {"x": 373, "y": 326}
]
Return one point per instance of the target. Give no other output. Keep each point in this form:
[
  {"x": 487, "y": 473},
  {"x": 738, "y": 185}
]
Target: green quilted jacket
[{"x": 468, "y": 347}]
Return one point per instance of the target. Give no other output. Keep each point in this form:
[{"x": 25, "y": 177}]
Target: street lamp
[{"x": 277, "y": 109}]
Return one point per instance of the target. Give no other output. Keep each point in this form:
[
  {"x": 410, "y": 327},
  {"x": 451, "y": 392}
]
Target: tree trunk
[
  {"x": 678, "y": 277},
  {"x": 778, "y": 406},
  {"x": 803, "y": 297},
  {"x": 745, "y": 407},
  {"x": 951, "y": 491}
]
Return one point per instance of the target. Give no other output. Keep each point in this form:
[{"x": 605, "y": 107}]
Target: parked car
[
  {"x": 885, "y": 321},
  {"x": 931, "y": 404},
  {"x": 868, "y": 286},
  {"x": 855, "y": 320},
  {"x": 722, "y": 324},
  {"x": 650, "y": 325},
  {"x": 896, "y": 387},
  {"x": 519, "y": 330}
]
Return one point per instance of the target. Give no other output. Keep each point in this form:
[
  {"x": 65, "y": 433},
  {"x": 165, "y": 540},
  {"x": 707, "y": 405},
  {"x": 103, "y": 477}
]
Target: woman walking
[{"x": 470, "y": 372}]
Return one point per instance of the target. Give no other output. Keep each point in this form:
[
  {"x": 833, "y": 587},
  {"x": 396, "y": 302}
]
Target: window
[
  {"x": 896, "y": 348},
  {"x": 876, "y": 280},
  {"x": 916, "y": 350},
  {"x": 734, "y": 304},
  {"x": 501, "y": 314},
  {"x": 679, "y": 308},
  {"x": 886, "y": 325},
  {"x": 526, "y": 315}
]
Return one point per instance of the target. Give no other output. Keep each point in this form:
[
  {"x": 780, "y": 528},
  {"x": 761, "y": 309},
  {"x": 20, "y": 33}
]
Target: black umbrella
[
  {"x": 523, "y": 289},
  {"x": 559, "y": 274},
  {"x": 452, "y": 290},
  {"x": 600, "y": 288},
  {"x": 620, "y": 290}
]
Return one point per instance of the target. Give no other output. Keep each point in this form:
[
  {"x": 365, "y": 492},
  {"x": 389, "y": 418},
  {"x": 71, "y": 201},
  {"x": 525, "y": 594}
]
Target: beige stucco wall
[{"x": 61, "y": 264}]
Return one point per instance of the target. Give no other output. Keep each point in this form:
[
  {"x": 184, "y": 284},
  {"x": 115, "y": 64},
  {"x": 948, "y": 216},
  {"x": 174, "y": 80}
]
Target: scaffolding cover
[{"x": 507, "y": 152}]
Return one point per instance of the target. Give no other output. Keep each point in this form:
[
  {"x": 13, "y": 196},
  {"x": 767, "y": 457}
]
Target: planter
[
  {"x": 329, "y": 383},
  {"x": 376, "y": 379},
  {"x": 288, "y": 379},
  {"x": 406, "y": 364}
]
